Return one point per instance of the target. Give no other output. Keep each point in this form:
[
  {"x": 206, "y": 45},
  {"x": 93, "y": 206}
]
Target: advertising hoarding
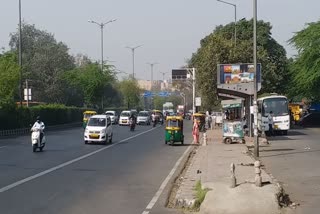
[{"x": 238, "y": 73}]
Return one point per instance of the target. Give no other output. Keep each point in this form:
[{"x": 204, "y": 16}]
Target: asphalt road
[
  {"x": 73, "y": 178},
  {"x": 294, "y": 161}
]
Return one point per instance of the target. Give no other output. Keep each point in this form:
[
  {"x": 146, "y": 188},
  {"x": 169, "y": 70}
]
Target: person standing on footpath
[
  {"x": 270, "y": 122},
  {"x": 195, "y": 132}
]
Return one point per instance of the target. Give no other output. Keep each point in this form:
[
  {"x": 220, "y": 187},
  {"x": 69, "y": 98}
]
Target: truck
[
  {"x": 180, "y": 110},
  {"x": 168, "y": 107}
]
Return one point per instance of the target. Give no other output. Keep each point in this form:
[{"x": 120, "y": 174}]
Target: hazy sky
[{"x": 169, "y": 30}]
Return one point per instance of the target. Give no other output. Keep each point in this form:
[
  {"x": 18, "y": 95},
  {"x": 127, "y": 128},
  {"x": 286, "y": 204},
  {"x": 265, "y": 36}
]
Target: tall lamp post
[
  {"x": 101, "y": 25},
  {"x": 235, "y": 19},
  {"x": 20, "y": 54},
  {"x": 133, "y": 49},
  {"x": 255, "y": 83},
  {"x": 163, "y": 74},
  {"x": 152, "y": 64}
]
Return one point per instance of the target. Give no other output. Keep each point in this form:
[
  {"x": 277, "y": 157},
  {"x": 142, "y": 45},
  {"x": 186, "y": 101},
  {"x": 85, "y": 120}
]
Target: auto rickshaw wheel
[
  {"x": 227, "y": 140},
  {"x": 166, "y": 142},
  {"x": 171, "y": 143}
]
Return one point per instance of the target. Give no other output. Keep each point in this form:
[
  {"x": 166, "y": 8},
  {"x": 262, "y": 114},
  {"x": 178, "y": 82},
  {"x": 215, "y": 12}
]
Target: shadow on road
[{"x": 276, "y": 150}]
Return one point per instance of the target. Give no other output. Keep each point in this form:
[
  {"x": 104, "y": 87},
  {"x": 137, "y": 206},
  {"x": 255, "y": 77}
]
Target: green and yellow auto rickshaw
[
  {"x": 174, "y": 130},
  {"x": 201, "y": 118},
  {"x": 86, "y": 117}
]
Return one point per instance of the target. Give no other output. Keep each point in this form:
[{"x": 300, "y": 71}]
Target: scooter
[
  {"x": 132, "y": 125},
  {"x": 35, "y": 140},
  {"x": 154, "y": 121}
]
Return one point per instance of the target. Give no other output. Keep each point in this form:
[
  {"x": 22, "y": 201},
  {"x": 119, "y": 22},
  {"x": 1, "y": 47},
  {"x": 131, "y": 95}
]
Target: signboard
[
  {"x": 27, "y": 94},
  {"x": 179, "y": 74},
  {"x": 238, "y": 73},
  {"x": 238, "y": 78},
  {"x": 233, "y": 129},
  {"x": 198, "y": 101}
]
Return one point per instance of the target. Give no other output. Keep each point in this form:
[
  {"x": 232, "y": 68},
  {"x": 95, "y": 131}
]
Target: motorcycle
[
  {"x": 154, "y": 121},
  {"x": 132, "y": 124},
  {"x": 35, "y": 140}
]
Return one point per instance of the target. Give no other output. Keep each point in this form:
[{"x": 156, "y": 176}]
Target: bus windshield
[{"x": 278, "y": 106}]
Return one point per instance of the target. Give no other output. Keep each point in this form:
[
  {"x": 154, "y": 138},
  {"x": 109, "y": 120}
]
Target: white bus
[
  {"x": 279, "y": 106},
  {"x": 168, "y": 107}
]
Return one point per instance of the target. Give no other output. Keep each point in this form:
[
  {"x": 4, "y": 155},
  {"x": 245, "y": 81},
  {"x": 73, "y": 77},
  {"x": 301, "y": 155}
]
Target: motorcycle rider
[
  {"x": 133, "y": 118},
  {"x": 39, "y": 125}
]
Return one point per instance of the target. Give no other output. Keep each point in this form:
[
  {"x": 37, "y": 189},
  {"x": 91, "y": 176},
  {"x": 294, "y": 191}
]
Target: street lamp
[
  {"x": 163, "y": 73},
  {"x": 133, "y": 49},
  {"x": 152, "y": 64},
  {"x": 235, "y": 19},
  {"x": 255, "y": 84},
  {"x": 101, "y": 27},
  {"x": 20, "y": 54}
]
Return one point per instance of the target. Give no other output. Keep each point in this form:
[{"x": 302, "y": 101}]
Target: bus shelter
[{"x": 233, "y": 121}]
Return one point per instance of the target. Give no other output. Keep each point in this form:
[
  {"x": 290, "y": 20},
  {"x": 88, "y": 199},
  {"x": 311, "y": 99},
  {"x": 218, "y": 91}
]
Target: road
[
  {"x": 294, "y": 161},
  {"x": 71, "y": 177}
]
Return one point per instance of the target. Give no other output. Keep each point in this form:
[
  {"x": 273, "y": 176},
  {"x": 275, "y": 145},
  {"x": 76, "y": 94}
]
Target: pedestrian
[
  {"x": 195, "y": 132},
  {"x": 270, "y": 122},
  {"x": 213, "y": 123}
]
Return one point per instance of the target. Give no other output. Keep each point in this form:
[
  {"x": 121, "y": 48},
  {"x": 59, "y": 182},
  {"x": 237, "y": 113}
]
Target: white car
[
  {"x": 98, "y": 130},
  {"x": 113, "y": 116},
  {"x": 124, "y": 118},
  {"x": 143, "y": 118}
]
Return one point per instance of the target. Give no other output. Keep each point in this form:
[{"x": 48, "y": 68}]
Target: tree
[
  {"x": 44, "y": 60},
  {"x": 218, "y": 48},
  {"x": 90, "y": 82},
  {"x": 9, "y": 78},
  {"x": 305, "y": 68},
  {"x": 130, "y": 92}
]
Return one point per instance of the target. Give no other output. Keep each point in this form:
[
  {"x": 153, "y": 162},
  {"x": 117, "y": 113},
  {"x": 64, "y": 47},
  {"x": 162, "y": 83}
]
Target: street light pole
[
  {"x": 20, "y": 54},
  {"x": 152, "y": 64},
  {"x": 101, "y": 25},
  {"x": 255, "y": 84},
  {"x": 163, "y": 73},
  {"x": 133, "y": 49},
  {"x": 235, "y": 19}
]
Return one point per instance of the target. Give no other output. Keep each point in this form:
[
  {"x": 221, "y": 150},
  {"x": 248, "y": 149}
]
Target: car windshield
[
  {"x": 110, "y": 113},
  {"x": 125, "y": 114},
  {"x": 143, "y": 114},
  {"x": 97, "y": 122},
  {"x": 278, "y": 106}
]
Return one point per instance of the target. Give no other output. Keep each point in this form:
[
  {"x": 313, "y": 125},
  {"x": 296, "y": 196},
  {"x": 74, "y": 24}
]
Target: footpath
[{"x": 210, "y": 165}]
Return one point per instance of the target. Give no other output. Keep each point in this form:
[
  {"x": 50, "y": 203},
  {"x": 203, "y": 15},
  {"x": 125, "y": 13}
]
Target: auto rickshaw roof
[
  {"x": 90, "y": 112},
  {"x": 198, "y": 114},
  {"x": 174, "y": 118}
]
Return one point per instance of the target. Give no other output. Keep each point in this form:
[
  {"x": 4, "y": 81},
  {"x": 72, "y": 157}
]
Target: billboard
[
  {"x": 237, "y": 73},
  {"x": 179, "y": 74}
]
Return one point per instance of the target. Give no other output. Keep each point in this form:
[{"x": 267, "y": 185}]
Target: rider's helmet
[{"x": 38, "y": 119}]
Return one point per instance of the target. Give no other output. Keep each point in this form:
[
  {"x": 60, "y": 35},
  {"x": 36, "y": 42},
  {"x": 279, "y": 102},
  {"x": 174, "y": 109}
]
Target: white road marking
[
  {"x": 165, "y": 182},
  {"x": 1, "y": 147},
  {"x": 15, "y": 184},
  {"x": 145, "y": 212}
]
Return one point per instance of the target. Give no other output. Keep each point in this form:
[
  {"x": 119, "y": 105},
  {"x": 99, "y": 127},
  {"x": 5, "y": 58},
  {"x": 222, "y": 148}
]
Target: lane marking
[
  {"x": 145, "y": 212},
  {"x": 1, "y": 147},
  {"x": 15, "y": 184},
  {"x": 165, "y": 182}
]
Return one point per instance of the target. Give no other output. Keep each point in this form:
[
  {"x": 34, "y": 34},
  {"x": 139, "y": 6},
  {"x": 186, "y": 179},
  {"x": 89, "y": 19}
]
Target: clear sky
[{"x": 169, "y": 30}]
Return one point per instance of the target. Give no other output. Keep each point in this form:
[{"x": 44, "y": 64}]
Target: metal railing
[{"x": 25, "y": 131}]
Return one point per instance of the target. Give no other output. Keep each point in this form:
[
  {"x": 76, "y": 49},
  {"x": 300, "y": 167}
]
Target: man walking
[{"x": 270, "y": 122}]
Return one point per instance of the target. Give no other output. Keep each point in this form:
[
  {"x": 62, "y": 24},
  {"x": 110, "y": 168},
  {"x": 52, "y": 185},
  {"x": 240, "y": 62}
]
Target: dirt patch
[{"x": 171, "y": 201}]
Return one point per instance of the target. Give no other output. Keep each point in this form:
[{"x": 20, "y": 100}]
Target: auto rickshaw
[
  {"x": 201, "y": 118},
  {"x": 174, "y": 130},
  {"x": 86, "y": 116}
]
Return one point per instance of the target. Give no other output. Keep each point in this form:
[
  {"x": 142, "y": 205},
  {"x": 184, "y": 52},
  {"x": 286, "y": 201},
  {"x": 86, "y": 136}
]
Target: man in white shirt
[
  {"x": 270, "y": 122},
  {"x": 39, "y": 125}
]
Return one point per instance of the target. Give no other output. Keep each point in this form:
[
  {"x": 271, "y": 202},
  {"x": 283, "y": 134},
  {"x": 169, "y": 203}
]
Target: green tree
[
  {"x": 130, "y": 92},
  {"x": 305, "y": 67},
  {"x": 44, "y": 60},
  {"x": 90, "y": 82},
  {"x": 218, "y": 48},
  {"x": 9, "y": 79}
]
